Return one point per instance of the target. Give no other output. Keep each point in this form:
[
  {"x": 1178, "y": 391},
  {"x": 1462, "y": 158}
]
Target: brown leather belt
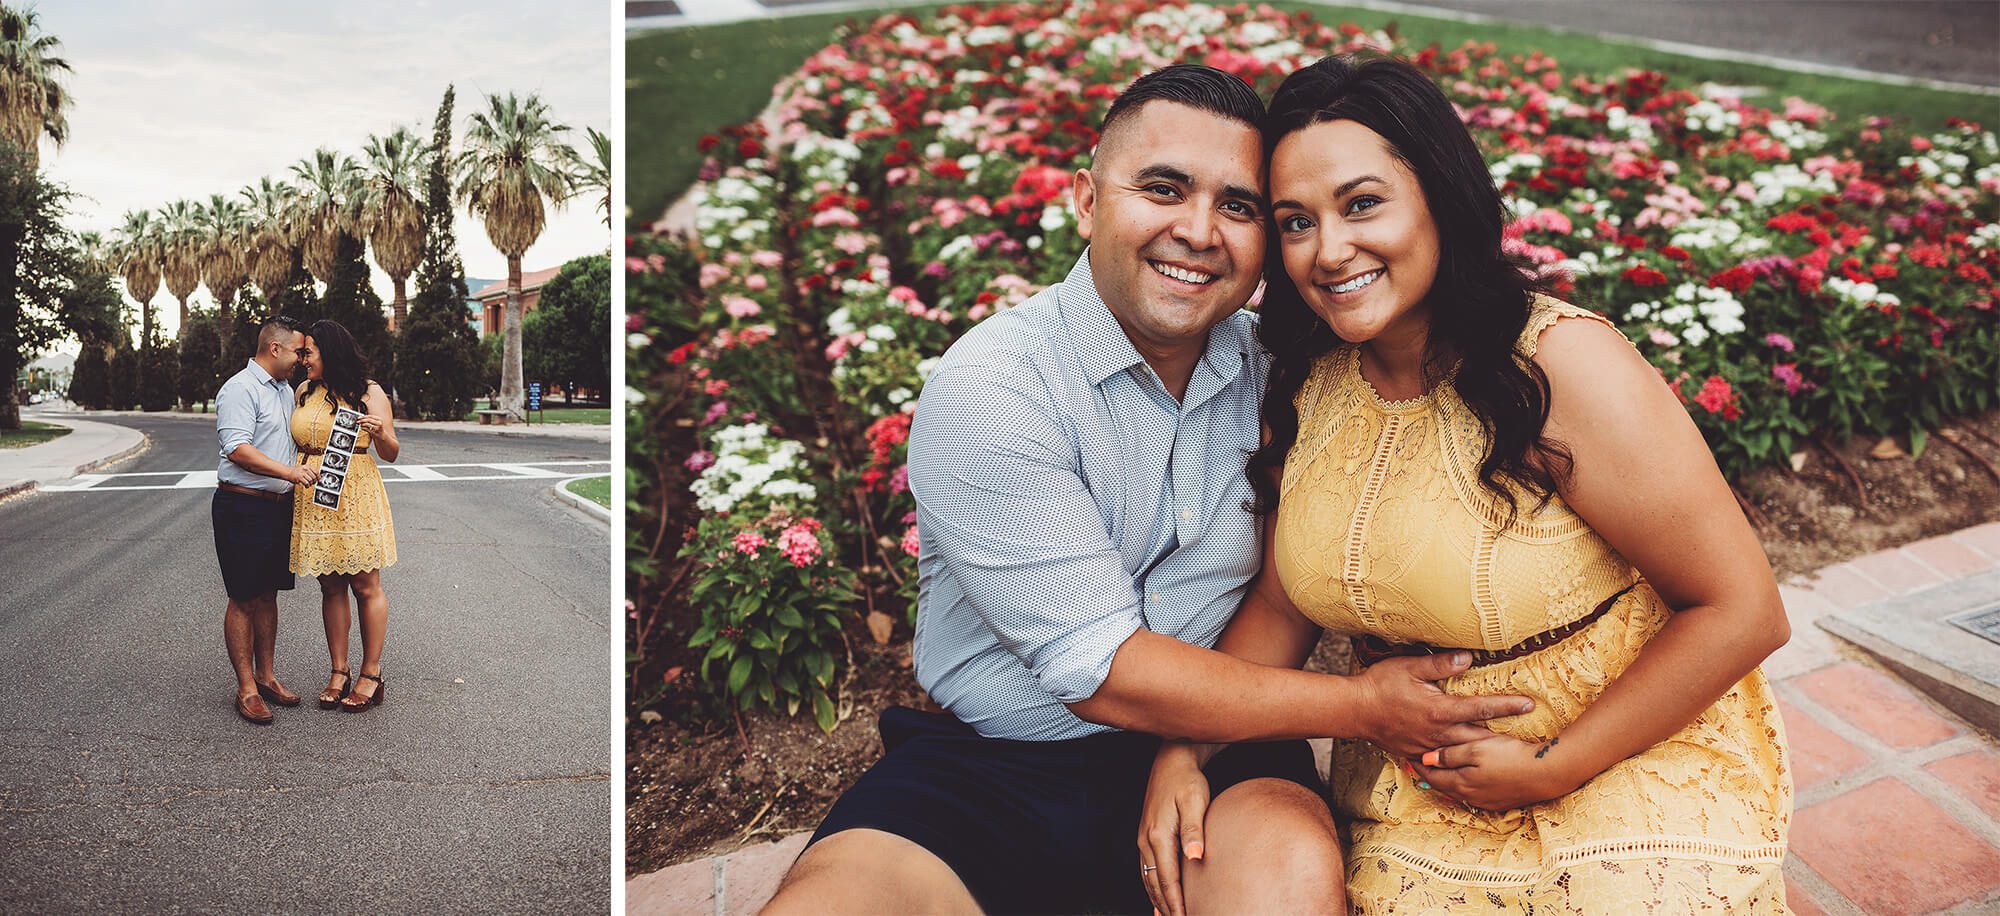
[
  {"x": 260, "y": 494},
  {"x": 1369, "y": 649},
  {"x": 311, "y": 450}
]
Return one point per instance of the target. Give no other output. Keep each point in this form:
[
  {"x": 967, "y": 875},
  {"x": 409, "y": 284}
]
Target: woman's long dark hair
[
  {"x": 342, "y": 367},
  {"x": 1479, "y": 302}
]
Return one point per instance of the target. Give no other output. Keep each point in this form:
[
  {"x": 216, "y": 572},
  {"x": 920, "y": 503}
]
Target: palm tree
[
  {"x": 513, "y": 160},
  {"x": 33, "y": 104},
  {"x": 325, "y": 209},
  {"x": 139, "y": 263},
  {"x": 94, "y": 250},
  {"x": 181, "y": 243},
  {"x": 33, "y": 101},
  {"x": 225, "y": 251},
  {"x": 593, "y": 172},
  {"x": 390, "y": 213},
  {"x": 268, "y": 206}
]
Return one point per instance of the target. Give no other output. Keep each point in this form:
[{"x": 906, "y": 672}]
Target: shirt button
[
  {"x": 1152, "y": 597},
  {"x": 1187, "y": 515}
]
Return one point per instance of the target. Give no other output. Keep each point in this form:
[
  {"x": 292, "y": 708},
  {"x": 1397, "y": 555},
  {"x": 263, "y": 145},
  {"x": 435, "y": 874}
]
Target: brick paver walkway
[{"x": 1898, "y": 807}]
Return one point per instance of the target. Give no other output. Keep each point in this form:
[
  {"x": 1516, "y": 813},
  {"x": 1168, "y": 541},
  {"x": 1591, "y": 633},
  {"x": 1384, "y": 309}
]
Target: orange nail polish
[{"x": 1194, "y": 850}]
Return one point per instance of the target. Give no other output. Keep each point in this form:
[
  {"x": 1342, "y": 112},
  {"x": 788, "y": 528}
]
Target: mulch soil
[{"x": 699, "y": 786}]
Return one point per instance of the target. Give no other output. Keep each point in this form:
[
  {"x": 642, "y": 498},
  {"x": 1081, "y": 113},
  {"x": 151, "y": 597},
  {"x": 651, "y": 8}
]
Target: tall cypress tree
[
  {"x": 351, "y": 300},
  {"x": 437, "y": 356}
]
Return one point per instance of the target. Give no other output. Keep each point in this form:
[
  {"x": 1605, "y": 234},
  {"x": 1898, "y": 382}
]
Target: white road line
[
  {"x": 415, "y": 473},
  {"x": 412, "y": 472},
  {"x": 525, "y": 470}
]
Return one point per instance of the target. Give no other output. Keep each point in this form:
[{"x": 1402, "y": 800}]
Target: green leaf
[
  {"x": 789, "y": 616},
  {"x": 1918, "y": 438},
  {"x": 792, "y": 705},
  {"x": 823, "y": 712},
  {"x": 759, "y": 641},
  {"x": 702, "y": 636},
  {"x": 739, "y": 674}
]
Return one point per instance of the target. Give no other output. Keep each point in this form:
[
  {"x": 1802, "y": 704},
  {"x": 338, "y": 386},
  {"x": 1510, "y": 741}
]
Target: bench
[{"x": 493, "y": 417}]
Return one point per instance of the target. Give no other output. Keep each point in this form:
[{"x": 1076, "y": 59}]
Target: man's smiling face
[{"x": 1173, "y": 208}]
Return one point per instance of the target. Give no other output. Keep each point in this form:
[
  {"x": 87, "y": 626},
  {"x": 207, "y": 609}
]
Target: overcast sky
[{"x": 193, "y": 98}]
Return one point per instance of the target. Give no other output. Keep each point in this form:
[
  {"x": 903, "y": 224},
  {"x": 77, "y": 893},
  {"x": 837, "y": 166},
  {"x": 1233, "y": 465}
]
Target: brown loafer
[
  {"x": 276, "y": 693},
  {"x": 251, "y": 707}
]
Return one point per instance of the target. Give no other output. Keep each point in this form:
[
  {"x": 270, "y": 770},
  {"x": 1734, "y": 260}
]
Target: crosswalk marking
[{"x": 414, "y": 473}]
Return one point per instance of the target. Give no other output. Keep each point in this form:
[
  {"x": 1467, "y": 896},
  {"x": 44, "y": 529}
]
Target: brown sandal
[
  {"x": 346, "y": 685},
  {"x": 373, "y": 699}
]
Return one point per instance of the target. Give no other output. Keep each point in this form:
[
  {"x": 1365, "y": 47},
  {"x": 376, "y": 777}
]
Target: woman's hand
[
  {"x": 1170, "y": 823},
  {"x": 371, "y": 424},
  {"x": 1499, "y": 773}
]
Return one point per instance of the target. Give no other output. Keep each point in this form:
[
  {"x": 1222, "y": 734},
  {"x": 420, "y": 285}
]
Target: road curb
[
  {"x": 145, "y": 442},
  {"x": 586, "y": 506}
]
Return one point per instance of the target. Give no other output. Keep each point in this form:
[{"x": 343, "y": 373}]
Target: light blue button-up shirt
[
  {"x": 253, "y": 407},
  {"x": 1065, "y": 499}
]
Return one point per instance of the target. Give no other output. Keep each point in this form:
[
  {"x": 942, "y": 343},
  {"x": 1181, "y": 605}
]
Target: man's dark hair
[
  {"x": 1195, "y": 85},
  {"x": 269, "y": 331}
]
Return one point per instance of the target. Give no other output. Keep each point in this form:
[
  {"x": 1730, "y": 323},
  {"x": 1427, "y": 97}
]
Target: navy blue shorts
[
  {"x": 253, "y": 541},
  {"x": 1033, "y": 826}
]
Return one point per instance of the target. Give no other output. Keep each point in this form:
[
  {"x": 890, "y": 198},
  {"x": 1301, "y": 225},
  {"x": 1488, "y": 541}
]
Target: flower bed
[{"x": 1792, "y": 278}]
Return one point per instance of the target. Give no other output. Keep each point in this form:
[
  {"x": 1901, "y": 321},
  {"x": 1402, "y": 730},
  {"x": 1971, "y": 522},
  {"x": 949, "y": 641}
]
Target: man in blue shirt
[
  {"x": 252, "y": 510},
  {"x": 1078, "y": 465}
]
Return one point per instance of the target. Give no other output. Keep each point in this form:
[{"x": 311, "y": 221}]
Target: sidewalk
[
  {"x": 1898, "y": 800},
  {"x": 88, "y": 446}
]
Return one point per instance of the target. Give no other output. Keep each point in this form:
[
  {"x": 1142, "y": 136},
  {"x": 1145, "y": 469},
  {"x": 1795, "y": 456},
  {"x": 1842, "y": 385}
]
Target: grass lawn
[
  {"x": 685, "y": 82},
  {"x": 31, "y": 433},
  {"x": 595, "y": 489},
  {"x": 579, "y": 416}
]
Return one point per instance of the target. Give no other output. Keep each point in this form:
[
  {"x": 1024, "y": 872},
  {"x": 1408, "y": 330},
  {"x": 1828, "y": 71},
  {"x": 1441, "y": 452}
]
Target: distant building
[
  {"x": 475, "y": 314},
  {"x": 492, "y": 299}
]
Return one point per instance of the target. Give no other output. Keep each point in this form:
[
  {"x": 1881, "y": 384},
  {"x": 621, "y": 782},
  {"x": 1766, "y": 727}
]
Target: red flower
[
  {"x": 1643, "y": 276},
  {"x": 681, "y": 353},
  {"x": 1735, "y": 279},
  {"x": 708, "y": 143},
  {"x": 749, "y": 148},
  {"x": 1716, "y": 396}
]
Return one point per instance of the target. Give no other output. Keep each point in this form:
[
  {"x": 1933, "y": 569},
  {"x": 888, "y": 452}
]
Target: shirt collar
[
  {"x": 268, "y": 378},
  {"x": 1105, "y": 351}
]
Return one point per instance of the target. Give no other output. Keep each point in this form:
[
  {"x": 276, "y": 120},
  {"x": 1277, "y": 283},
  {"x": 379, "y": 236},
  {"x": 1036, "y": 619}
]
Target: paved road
[{"x": 128, "y": 784}]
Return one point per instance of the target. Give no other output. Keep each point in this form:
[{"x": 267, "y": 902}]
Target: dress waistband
[{"x": 1369, "y": 649}]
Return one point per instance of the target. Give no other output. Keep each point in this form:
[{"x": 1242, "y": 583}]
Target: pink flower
[
  {"x": 1662, "y": 337},
  {"x": 712, "y": 274},
  {"x": 910, "y": 545},
  {"x": 800, "y": 543},
  {"x": 699, "y": 461},
  {"x": 714, "y": 387},
  {"x": 1789, "y": 374},
  {"x": 741, "y": 307},
  {"x": 715, "y": 412},
  {"x": 851, "y": 242},
  {"x": 1780, "y": 341},
  {"x": 837, "y": 216},
  {"x": 899, "y": 482},
  {"x": 756, "y": 282},
  {"x": 767, "y": 259},
  {"x": 634, "y": 321},
  {"x": 747, "y": 542}
]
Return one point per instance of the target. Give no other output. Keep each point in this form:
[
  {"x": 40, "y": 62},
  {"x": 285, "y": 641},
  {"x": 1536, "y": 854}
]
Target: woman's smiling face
[{"x": 1354, "y": 230}]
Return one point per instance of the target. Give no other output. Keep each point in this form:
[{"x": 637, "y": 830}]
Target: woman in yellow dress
[
  {"x": 1457, "y": 462},
  {"x": 347, "y": 541}
]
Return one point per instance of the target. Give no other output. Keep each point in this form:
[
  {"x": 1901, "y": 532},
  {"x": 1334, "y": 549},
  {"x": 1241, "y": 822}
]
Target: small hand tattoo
[{"x": 1545, "y": 748}]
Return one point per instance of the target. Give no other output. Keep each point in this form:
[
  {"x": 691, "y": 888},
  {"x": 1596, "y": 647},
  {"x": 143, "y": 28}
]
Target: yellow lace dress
[
  {"x": 358, "y": 536},
  {"x": 1383, "y": 528}
]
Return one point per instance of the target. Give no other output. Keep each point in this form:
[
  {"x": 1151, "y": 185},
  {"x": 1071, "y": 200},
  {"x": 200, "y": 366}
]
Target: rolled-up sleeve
[
  {"x": 235, "y": 417},
  {"x": 1000, "y": 496}
]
